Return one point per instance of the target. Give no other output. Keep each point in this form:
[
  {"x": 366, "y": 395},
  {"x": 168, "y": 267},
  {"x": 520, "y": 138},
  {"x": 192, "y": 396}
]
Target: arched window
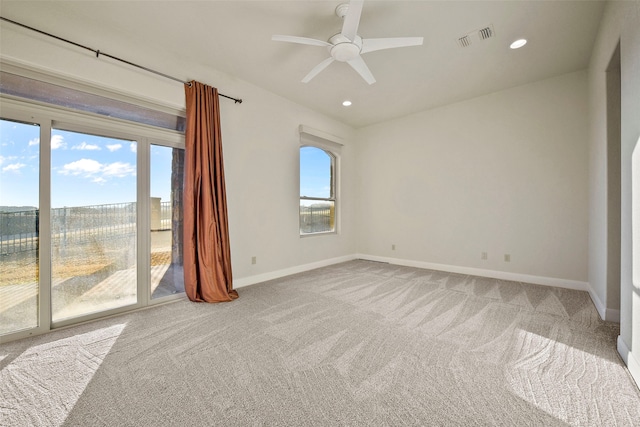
[{"x": 317, "y": 191}]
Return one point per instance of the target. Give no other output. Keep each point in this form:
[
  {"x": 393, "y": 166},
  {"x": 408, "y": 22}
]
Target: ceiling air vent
[
  {"x": 486, "y": 33},
  {"x": 464, "y": 41},
  {"x": 481, "y": 34}
]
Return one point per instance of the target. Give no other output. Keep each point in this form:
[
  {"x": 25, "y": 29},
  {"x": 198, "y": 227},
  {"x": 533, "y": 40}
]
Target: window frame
[{"x": 333, "y": 193}]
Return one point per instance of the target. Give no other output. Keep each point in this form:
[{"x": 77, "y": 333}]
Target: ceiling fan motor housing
[{"x": 343, "y": 49}]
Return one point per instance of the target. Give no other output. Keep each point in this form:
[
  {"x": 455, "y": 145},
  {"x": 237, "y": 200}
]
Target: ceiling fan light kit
[
  {"x": 347, "y": 46},
  {"x": 343, "y": 49}
]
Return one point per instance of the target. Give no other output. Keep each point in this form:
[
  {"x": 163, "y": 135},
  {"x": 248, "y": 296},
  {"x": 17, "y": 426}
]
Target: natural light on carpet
[
  {"x": 39, "y": 381},
  {"x": 553, "y": 376}
]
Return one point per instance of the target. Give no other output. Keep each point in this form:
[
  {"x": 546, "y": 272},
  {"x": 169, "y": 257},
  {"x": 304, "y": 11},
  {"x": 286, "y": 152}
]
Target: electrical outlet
[
  {"x": 253, "y": 260},
  {"x": 507, "y": 258},
  {"x": 483, "y": 255},
  {"x": 393, "y": 247}
]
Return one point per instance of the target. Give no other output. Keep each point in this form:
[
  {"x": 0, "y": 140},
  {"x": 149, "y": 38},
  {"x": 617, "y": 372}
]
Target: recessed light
[
  {"x": 346, "y": 103},
  {"x": 518, "y": 44}
]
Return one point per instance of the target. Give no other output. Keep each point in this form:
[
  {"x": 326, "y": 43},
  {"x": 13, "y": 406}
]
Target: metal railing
[
  {"x": 165, "y": 216},
  {"x": 80, "y": 224},
  {"x": 19, "y": 231},
  {"x": 316, "y": 219},
  {"x": 72, "y": 225}
]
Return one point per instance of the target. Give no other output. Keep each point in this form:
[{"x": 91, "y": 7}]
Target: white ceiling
[{"x": 235, "y": 37}]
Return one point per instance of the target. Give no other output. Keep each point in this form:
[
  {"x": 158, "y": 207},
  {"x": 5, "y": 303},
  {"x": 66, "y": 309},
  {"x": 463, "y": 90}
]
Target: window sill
[{"x": 320, "y": 233}]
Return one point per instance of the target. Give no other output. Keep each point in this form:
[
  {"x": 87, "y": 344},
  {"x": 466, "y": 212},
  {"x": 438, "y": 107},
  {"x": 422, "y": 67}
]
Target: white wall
[
  {"x": 260, "y": 143},
  {"x": 605, "y": 294},
  {"x": 621, "y": 23},
  {"x": 262, "y": 166},
  {"x": 504, "y": 173}
]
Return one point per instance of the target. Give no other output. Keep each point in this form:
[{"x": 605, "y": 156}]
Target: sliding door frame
[{"x": 48, "y": 118}]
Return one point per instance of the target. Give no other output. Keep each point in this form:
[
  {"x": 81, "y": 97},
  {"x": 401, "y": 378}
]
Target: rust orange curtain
[{"x": 207, "y": 253}]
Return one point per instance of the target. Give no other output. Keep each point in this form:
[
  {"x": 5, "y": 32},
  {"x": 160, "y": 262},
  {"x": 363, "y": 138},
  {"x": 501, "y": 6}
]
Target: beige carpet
[{"x": 359, "y": 343}]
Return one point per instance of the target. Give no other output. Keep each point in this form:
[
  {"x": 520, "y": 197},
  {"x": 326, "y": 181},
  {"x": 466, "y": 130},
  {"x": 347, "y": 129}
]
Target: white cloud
[
  {"x": 96, "y": 171},
  {"x": 86, "y": 167},
  {"x": 84, "y": 146},
  {"x": 57, "y": 141},
  {"x": 7, "y": 159},
  {"x": 134, "y": 147},
  {"x": 14, "y": 167},
  {"x": 34, "y": 141},
  {"x": 114, "y": 147},
  {"x": 118, "y": 169}
]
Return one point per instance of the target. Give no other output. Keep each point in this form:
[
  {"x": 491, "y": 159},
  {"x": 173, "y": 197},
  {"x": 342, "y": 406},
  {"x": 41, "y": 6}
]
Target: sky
[
  {"x": 315, "y": 173},
  {"x": 85, "y": 169},
  {"x": 93, "y": 170}
]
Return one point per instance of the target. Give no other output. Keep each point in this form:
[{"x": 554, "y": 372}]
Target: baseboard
[
  {"x": 602, "y": 310},
  {"x": 259, "y": 278},
  {"x": 503, "y": 275},
  {"x": 608, "y": 314},
  {"x": 632, "y": 363}
]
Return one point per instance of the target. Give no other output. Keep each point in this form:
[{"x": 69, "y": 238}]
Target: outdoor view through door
[
  {"x": 19, "y": 224},
  {"x": 167, "y": 274},
  {"x": 93, "y": 223},
  {"x": 317, "y": 191},
  {"x": 115, "y": 242}
]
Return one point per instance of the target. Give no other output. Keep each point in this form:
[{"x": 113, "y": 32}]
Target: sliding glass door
[
  {"x": 19, "y": 225},
  {"x": 93, "y": 224},
  {"x": 167, "y": 177},
  {"x": 90, "y": 218}
]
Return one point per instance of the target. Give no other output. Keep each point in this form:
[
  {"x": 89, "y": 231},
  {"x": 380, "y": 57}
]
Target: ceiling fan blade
[
  {"x": 300, "y": 40},
  {"x": 370, "y": 45},
  {"x": 316, "y": 70},
  {"x": 359, "y": 65},
  {"x": 352, "y": 19}
]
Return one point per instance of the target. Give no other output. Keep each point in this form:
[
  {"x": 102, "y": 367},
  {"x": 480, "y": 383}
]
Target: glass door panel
[
  {"x": 19, "y": 225},
  {"x": 93, "y": 224},
  {"x": 167, "y": 173}
]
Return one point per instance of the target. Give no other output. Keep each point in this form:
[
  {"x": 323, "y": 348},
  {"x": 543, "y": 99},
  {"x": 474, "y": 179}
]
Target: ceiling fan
[{"x": 347, "y": 45}]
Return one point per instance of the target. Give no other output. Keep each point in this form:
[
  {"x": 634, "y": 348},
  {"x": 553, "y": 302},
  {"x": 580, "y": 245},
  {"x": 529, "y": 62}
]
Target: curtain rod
[{"x": 98, "y": 53}]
